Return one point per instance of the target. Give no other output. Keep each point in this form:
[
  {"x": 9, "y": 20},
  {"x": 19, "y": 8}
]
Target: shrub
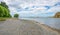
[{"x": 16, "y": 15}]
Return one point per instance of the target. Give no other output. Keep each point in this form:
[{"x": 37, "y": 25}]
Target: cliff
[{"x": 57, "y": 15}]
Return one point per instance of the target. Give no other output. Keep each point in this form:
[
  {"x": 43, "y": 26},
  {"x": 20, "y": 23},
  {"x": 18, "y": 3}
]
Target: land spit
[{"x": 25, "y": 27}]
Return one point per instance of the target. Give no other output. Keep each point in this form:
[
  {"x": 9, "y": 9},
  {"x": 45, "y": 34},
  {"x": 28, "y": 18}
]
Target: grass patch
[
  {"x": 5, "y": 18},
  {"x": 2, "y": 19}
]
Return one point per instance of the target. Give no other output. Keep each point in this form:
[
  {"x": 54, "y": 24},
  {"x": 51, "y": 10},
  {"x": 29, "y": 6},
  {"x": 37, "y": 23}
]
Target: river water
[{"x": 52, "y": 22}]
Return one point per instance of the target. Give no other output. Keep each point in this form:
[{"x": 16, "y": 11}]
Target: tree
[
  {"x": 4, "y": 12},
  {"x": 1, "y": 11},
  {"x": 16, "y": 15},
  {"x": 4, "y": 4}
]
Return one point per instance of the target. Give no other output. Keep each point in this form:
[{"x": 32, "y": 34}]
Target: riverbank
[{"x": 25, "y": 27}]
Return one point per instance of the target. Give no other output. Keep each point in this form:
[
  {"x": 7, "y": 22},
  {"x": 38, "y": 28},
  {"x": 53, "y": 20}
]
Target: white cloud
[
  {"x": 54, "y": 9},
  {"x": 34, "y": 7}
]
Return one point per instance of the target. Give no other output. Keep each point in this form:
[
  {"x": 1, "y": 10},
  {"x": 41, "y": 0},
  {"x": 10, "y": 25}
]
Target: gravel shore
[{"x": 25, "y": 27}]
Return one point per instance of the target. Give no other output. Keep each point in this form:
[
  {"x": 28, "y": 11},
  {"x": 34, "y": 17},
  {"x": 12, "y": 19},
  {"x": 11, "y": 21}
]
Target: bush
[{"x": 16, "y": 15}]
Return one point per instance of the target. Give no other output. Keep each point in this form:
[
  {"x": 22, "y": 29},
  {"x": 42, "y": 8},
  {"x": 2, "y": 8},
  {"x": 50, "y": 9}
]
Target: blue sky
[{"x": 33, "y": 8}]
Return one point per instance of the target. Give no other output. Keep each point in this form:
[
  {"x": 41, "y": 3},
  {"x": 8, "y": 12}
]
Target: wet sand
[{"x": 25, "y": 27}]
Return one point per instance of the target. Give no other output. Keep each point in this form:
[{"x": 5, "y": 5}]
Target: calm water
[{"x": 52, "y": 22}]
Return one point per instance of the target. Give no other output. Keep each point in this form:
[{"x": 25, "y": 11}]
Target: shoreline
[
  {"x": 36, "y": 23},
  {"x": 57, "y": 30},
  {"x": 21, "y": 27}
]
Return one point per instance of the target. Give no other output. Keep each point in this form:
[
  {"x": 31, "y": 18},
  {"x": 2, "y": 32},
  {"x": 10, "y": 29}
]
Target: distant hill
[{"x": 57, "y": 15}]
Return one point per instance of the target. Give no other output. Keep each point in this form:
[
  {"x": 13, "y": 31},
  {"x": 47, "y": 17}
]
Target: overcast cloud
[{"x": 29, "y": 8}]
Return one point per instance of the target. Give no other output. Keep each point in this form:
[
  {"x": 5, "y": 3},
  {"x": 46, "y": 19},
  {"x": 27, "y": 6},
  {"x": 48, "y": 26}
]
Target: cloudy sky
[{"x": 33, "y": 8}]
